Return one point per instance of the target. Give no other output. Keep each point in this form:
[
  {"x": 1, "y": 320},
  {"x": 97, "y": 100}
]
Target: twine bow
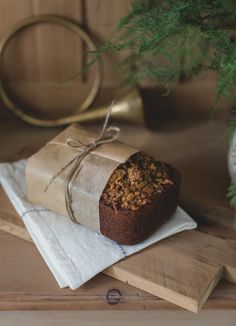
[{"x": 107, "y": 135}]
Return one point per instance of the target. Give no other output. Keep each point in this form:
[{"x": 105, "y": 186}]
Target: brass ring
[{"x": 96, "y": 82}]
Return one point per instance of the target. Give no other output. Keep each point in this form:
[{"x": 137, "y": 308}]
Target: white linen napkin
[{"x": 73, "y": 252}]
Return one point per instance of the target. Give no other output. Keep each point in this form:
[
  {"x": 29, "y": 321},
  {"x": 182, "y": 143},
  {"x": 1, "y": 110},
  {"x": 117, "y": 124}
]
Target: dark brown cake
[{"x": 140, "y": 195}]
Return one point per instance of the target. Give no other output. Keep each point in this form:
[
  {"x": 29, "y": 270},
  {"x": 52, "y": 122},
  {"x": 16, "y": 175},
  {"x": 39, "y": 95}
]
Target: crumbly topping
[{"x": 134, "y": 183}]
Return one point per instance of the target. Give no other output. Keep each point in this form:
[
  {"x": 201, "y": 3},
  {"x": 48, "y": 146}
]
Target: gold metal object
[
  {"x": 19, "y": 111},
  {"x": 128, "y": 109}
]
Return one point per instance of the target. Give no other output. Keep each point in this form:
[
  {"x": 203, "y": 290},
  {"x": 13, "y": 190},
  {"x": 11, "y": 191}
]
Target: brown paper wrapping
[{"x": 96, "y": 168}]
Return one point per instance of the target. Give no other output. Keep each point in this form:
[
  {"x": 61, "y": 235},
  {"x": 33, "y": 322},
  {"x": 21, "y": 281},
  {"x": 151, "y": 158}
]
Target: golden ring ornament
[{"x": 73, "y": 27}]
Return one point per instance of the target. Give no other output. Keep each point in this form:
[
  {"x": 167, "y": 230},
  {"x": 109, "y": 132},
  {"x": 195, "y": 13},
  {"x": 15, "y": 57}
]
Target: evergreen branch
[{"x": 173, "y": 38}]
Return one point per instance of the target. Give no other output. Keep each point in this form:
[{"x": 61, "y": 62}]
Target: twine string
[{"x": 107, "y": 135}]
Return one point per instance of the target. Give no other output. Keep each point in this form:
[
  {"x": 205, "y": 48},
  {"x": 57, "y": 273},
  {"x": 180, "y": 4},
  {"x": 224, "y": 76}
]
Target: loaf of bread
[{"x": 140, "y": 195}]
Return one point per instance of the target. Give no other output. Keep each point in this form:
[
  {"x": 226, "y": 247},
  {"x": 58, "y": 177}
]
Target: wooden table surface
[{"x": 25, "y": 281}]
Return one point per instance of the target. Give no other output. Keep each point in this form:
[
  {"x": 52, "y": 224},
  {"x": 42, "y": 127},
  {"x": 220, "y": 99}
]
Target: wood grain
[
  {"x": 199, "y": 259},
  {"x": 184, "y": 138},
  {"x": 39, "y": 58},
  {"x": 46, "y": 53},
  {"x": 26, "y": 283},
  {"x": 196, "y": 262},
  {"x": 117, "y": 318}
]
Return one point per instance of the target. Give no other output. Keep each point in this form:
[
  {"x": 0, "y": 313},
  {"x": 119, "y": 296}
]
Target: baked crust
[{"x": 131, "y": 226}]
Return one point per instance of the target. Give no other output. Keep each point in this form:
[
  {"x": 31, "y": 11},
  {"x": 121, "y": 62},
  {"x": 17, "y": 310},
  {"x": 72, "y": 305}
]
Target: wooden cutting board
[{"x": 183, "y": 269}]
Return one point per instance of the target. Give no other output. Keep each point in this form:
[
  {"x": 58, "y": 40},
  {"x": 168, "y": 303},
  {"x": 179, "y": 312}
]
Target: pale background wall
[{"x": 39, "y": 58}]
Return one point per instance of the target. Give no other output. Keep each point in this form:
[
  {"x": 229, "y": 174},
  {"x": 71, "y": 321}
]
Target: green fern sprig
[
  {"x": 170, "y": 39},
  {"x": 174, "y": 38}
]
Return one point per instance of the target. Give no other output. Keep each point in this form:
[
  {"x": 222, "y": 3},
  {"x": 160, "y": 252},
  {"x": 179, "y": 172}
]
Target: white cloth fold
[{"x": 73, "y": 252}]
